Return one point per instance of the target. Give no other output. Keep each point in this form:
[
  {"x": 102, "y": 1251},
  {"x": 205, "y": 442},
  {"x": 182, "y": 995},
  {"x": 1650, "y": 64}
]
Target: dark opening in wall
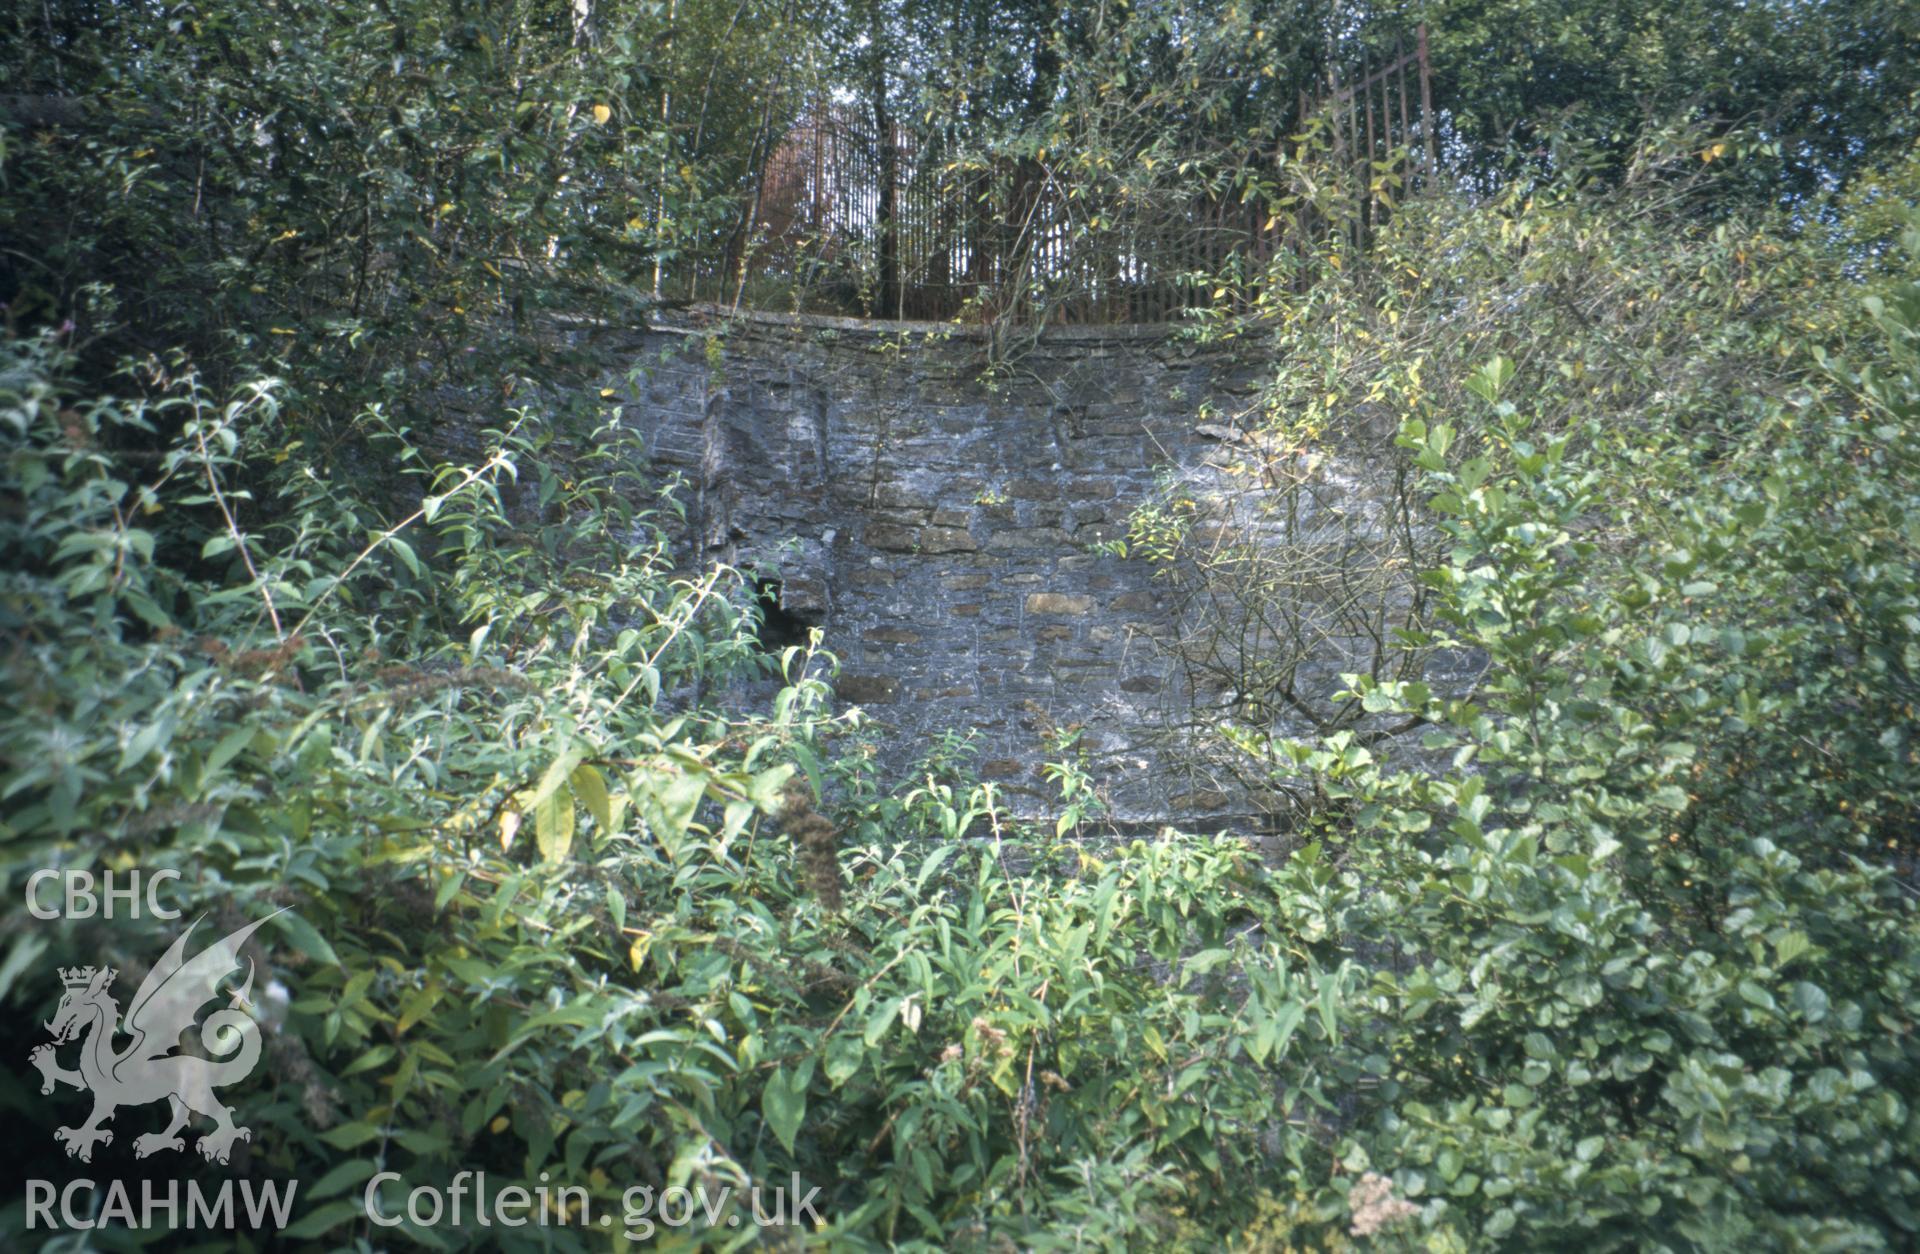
[{"x": 779, "y": 627}]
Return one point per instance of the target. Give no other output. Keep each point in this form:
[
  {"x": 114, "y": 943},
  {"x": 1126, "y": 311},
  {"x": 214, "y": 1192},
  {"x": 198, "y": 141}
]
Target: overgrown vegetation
[
  {"x": 1650, "y": 897},
  {"x": 329, "y": 587}
]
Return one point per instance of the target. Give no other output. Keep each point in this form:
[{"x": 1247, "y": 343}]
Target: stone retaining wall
[{"x": 939, "y": 522}]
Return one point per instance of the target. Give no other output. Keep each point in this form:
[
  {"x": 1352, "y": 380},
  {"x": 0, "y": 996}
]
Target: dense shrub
[
  {"x": 545, "y": 927},
  {"x": 1647, "y": 895},
  {"x": 1617, "y": 948}
]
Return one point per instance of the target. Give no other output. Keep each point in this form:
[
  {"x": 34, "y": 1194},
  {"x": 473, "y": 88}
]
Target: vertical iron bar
[
  {"x": 1406, "y": 130},
  {"x": 1426, "y": 101}
]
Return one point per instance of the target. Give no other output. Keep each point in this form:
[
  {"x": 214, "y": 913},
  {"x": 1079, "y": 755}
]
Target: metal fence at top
[{"x": 898, "y": 227}]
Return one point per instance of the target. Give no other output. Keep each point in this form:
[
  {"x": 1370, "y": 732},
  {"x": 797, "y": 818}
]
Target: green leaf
[
  {"x": 25, "y": 952},
  {"x": 784, "y": 1103},
  {"x": 735, "y": 818},
  {"x": 764, "y": 789},
  {"x": 1329, "y": 1004},
  {"x": 229, "y": 747},
  {"x": 450, "y": 885},
  {"x": 407, "y": 556},
  {"x": 556, "y": 775},
  {"x": 880, "y": 1020},
  {"x": 1272, "y": 1037},
  {"x": 303, "y": 936},
  {"x": 553, "y": 824},
  {"x": 149, "y": 612},
  {"x": 345, "y": 1176},
  {"x": 1206, "y": 960},
  {"x": 350, "y": 1135},
  {"x": 417, "y": 1006},
  {"x": 678, "y": 798},
  {"x": 844, "y": 1058},
  {"x": 1811, "y": 1001},
  {"x": 324, "y": 1220},
  {"x": 1489, "y": 380},
  {"x": 929, "y": 865},
  {"x": 591, "y": 787}
]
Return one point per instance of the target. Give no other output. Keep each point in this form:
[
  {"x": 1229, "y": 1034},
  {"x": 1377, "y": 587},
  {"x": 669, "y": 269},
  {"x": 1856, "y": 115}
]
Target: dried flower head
[
  {"x": 1374, "y": 1205},
  {"x": 816, "y": 845}
]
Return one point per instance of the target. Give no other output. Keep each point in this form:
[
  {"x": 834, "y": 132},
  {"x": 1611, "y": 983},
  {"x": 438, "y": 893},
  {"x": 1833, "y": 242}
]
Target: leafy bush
[
  {"x": 1650, "y": 949},
  {"x": 546, "y": 927},
  {"x": 1622, "y": 954},
  {"x": 384, "y": 204}
]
